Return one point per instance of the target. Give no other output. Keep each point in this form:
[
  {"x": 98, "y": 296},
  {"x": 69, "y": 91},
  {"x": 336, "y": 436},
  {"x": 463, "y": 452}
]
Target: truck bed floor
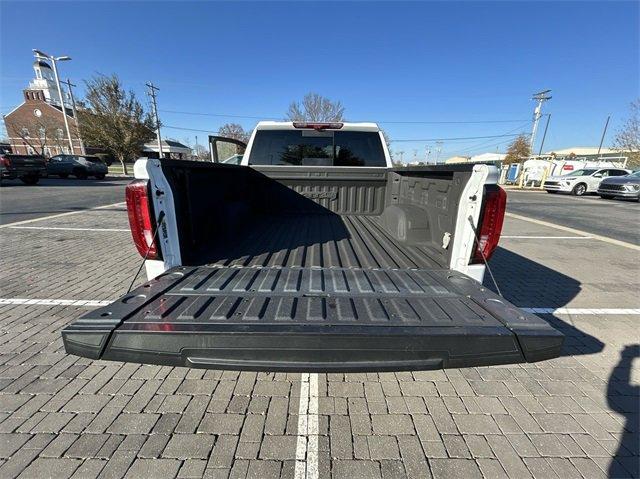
[{"x": 323, "y": 241}]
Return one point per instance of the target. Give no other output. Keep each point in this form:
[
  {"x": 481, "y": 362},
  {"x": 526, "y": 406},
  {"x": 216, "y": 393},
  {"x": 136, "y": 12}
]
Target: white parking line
[
  {"x": 54, "y": 302},
  {"x": 584, "y": 311},
  {"x": 66, "y": 229},
  {"x": 59, "y": 215},
  {"x": 574, "y": 231},
  {"x": 307, "y": 444},
  {"x": 545, "y": 237}
]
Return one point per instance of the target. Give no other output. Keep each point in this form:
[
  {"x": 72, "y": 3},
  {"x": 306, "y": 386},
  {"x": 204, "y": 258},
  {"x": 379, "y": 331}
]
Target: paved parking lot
[{"x": 63, "y": 416}]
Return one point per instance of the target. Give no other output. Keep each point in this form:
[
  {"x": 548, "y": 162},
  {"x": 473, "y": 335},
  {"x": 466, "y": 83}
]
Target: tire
[
  {"x": 30, "y": 180},
  {"x": 100, "y": 176},
  {"x": 80, "y": 174},
  {"x": 64, "y": 175},
  {"x": 579, "y": 190}
]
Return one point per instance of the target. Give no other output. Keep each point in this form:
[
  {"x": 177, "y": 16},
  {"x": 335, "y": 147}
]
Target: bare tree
[
  {"x": 518, "y": 150},
  {"x": 235, "y": 131},
  {"x": 315, "y": 107},
  {"x": 113, "y": 119},
  {"x": 201, "y": 153},
  {"x": 627, "y": 138},
  {"x": 39, "y": 134}
]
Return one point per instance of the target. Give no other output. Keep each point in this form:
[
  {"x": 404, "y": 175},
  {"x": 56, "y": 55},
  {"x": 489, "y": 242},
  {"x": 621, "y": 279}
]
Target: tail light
[
  {"x": 317, "y": 125},
  {"x": 4, "y": 161},
  {"x": 141, "y": 219},
  {"x": 495, "y": 203}
]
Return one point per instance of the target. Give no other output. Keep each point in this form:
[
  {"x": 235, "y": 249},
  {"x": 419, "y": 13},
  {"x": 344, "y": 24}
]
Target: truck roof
[{"x": 288, "y": 125}]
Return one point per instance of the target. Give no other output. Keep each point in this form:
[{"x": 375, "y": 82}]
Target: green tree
[
  {"x": 112, "y": 118},
  {"x": 315, "y": 107},
  {"x": 518, "y": 150},
  {"x": 627, "y": 139}
]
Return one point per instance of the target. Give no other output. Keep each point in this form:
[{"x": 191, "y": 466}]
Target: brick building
[{"x": 37, "y": 125}]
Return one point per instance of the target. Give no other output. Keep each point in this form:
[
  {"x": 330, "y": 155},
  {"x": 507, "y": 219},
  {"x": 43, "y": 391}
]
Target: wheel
[
  {"x": 579, "y": 190},
  {"x": 30, "y": 180},
  {"x": 100, "y": 176},
  {"x": 80, "y": 174},
  {"x": 64, "y": 175},
  {"x": 606, "y": 197}
]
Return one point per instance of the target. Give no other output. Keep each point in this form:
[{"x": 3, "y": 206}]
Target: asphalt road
[
  {"x": 19, "y": 202},
  {"x": 617, "y": 219}
]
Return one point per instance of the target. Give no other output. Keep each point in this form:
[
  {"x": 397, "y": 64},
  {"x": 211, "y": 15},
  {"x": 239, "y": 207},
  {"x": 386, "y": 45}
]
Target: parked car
[
  {"x": 627, "y": 186},
  {"x": 314, "y": 254},
  {"x": 581, "y": 182},
  {"x": 233, "y": 160},
  {"x": 29, "y": 168},
  {"x": 79, "y": 166}
]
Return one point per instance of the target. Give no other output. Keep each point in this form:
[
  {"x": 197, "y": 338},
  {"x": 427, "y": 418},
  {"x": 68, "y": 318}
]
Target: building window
[
  {"x": 43, "y": 132},
  {"x": 38, "y": 74},
  {"x": 24, "y": 133},
  {"x": 30, "y": 151},
  {"x": 59, "y": 133}
]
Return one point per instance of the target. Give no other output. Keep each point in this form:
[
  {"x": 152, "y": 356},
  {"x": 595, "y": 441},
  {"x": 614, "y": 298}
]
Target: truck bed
[{"x": 323, "y": 241}]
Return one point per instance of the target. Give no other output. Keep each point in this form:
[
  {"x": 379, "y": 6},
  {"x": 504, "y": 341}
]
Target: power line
[
  {"x": 418, "y": 122},
  {"x": 516, "y": 131},
  {"x": 216, "y": 115},
  {"x": 455, "y": 138}
]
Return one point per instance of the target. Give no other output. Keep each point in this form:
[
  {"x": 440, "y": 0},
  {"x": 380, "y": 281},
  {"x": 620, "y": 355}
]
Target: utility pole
[
  {"x": 544, "y": 135},
  {"x": 604, "y": 132},
  {"x": 540, "y": 97},
  {"x": 401, "y": 153},
  {"x": 438, "y": 150},
  {"x": 152, "y": 94},
  {"x": 75, "y": 113}
]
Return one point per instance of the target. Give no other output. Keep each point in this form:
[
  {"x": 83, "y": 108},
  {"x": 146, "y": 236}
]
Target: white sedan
[{"x": 582, "y": 181}]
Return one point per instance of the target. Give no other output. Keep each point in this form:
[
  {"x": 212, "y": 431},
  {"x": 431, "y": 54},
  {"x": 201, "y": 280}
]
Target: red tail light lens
[
  {"x": 495, "y": 203},
  {"x": 141, "y": 219},
  {"x": 4, "y": 161},
  {"x": 317, "y": 125}
]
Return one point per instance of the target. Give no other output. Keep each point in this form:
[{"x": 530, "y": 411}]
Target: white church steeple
[{"x": 45, "y": 82}]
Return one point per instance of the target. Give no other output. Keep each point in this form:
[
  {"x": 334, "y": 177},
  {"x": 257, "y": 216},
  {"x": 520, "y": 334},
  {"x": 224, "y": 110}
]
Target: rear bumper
[{"x": 343, "y": 349}]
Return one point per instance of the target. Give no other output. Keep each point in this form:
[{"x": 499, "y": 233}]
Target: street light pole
[{"x": 40, "y": 54}]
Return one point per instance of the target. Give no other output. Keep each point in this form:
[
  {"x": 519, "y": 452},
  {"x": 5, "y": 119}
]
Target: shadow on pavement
[
  {"x": 528, "y": 284},
  {"x": 624, "y": 398}
]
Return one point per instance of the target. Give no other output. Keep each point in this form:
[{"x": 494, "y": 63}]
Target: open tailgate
[{"x": 312, "y": 319}]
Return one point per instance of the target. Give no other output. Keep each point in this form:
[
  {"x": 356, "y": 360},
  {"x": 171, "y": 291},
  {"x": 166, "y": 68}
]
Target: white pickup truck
[{"x": 313, "y": 254}]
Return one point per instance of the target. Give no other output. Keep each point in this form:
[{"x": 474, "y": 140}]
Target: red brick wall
[{"x": 51, "y": 119}]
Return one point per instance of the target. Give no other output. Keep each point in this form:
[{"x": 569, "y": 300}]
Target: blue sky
[{"x": 386, "y": 62}]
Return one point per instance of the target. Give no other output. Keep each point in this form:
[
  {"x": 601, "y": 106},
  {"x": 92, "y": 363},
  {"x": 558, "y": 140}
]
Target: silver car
[
  {"x": 621, "y": 186},
  {"x": 580, "y": 182}
]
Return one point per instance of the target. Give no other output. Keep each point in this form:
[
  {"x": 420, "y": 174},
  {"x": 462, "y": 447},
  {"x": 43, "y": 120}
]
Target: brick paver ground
[{"x": 63, "y": 416}]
